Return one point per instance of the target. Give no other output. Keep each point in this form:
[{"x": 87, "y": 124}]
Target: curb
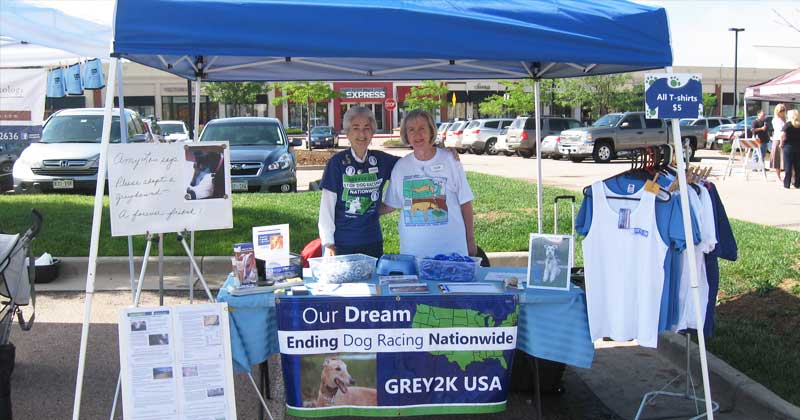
[
  {"x": 733, "y": 390},
  {"x": 310, "y": 167}
]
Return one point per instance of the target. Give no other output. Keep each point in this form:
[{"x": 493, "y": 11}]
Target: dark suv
[
  {"x": 260, "y": 157},
  {"x": 521, "y": 135}
]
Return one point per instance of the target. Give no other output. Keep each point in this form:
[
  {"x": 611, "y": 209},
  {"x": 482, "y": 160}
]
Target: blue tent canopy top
[{"x": 278, "y": 40}]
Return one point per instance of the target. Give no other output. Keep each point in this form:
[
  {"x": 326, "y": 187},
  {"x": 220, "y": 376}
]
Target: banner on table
[
  {"x": 390, "y": 355},
  {"x": 162, "y": 188},
  {"x": 22, "y": 96}
]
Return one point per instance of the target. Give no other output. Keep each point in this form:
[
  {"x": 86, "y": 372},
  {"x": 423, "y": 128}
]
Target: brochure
[
  {"x": 408, "y": 288},
  {"x": 176, "y": 362},
  {"x": 272, "y": 245},
  {"x": 244, "y": 264},
  {"x": 468, "y": 288},
  {"x": 398, "y": 279}
]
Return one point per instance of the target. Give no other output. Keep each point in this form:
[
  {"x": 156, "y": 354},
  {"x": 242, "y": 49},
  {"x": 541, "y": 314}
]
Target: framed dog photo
[{"x": 550, "y": 259}]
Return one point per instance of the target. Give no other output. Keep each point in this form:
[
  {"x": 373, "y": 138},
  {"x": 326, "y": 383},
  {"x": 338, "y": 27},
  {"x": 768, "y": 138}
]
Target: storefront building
[{"x": 372, "y": 95}]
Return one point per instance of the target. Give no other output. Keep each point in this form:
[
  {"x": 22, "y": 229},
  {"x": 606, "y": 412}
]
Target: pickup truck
[{"x": 619, "y": 132}]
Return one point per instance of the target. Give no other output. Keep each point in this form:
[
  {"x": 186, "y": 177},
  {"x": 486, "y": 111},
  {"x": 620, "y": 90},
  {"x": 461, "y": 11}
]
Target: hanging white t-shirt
[
  {"x": 429, "y": 195},
  {"x": 623, "y": 254},
  {"x": 701, "y": 206}
]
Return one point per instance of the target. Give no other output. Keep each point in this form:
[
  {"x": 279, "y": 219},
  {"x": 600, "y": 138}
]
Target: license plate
[
  {"x": 62, "y": 184},
  {"x": 239, "y": 185},
  {"x": 720, "y": 141}
]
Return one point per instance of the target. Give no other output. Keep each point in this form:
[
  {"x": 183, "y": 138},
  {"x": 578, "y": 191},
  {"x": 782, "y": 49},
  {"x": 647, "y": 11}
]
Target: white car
[
  {"x": 502, "y": 146},
  {"x": 173, "y": 131},
  {"x": 454, "y": 134},
  {"x": 550, "y": 147}
]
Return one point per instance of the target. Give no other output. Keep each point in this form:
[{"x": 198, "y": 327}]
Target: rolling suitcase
[{"x": 550, "y": 373}]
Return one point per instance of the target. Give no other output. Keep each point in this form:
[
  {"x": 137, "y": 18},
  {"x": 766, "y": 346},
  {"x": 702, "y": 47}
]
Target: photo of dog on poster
[
  {"x": 550, "y": 259},
  {"x": 339, "y": 379},
  {"x": 204, "y": 172}
]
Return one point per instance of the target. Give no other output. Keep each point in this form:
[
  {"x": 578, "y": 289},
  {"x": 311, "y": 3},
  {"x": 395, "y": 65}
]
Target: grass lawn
[{"x": 759, "y": 304}]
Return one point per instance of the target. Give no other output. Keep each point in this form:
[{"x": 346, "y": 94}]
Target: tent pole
[
  {"x": 123, "y": 135},
  {"x": 95, "y": 238},
  {"x": 538, "y": 116},
  {"x": 692, "y": 260},
  {"x": 196, "y": 138}
]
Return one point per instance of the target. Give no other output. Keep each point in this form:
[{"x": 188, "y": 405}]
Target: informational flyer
[
  {"x": 271, "y": 245},
  {"x": 176, "y": 363}
]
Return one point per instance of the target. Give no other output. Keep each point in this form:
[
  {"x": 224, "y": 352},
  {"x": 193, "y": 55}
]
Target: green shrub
[
  {"x": 294, "y": 131},
  {"x": 726, "y": 148}
]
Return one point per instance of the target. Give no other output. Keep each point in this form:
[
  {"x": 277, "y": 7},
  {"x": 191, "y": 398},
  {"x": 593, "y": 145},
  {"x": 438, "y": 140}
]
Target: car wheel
[
  {"x": 6, "y": 167},
  {"x": 507, "y": 153},
  {"x": 555, "y": 157},
  {"x": 603, "y": 152},
  {"x": 461, "y": 150},
  {"x": 525, "y": 153},
  {"x": 476, "y": 151},
  {"x": 576, "y": 159},
  {"x": 489, "y": 148}
]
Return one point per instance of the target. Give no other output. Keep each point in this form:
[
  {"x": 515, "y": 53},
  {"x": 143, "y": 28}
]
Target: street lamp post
[{"x": 736, "y": 70}]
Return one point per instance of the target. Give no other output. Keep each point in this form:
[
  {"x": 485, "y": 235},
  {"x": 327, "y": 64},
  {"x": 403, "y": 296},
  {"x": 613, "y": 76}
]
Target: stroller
[{"x": 16, "y": 291}]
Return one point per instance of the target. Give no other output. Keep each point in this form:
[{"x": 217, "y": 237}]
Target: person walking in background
[
  {"x": 778, "y": 122},
  {"x": 790, "y": 143},
  {"x": 760, "y": 131}
]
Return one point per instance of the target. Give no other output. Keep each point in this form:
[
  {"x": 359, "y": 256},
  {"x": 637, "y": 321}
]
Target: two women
[{"x": 428, "y": 185}]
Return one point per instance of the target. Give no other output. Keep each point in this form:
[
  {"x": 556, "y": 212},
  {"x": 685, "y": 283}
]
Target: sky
[
  {"x": 700, "y": 35},
  {"x": 699, "y": 28}
]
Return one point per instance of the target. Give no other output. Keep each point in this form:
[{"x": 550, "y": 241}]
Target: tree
[
  {"x": 709, "y": 103},
  {"x": 235, "y": 93},
  {"x": 600, "y": 94},
  {"x": 517, "y": 100},
  {"x": 306, "y": 93},
  {"x": 430, "y": 97}
]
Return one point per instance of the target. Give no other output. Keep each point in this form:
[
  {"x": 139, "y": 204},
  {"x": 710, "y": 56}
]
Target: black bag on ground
[
  {"x": 7, "y": 354},
  {"x": 550, "y": 374}
]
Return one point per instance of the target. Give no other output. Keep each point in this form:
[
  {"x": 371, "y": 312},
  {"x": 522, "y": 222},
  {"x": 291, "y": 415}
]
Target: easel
[
  {"x": 749, "y": 150},
  {"x": 138, "y": 294}
]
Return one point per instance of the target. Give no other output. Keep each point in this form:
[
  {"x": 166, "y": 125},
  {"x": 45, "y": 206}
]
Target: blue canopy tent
[{"x": 283, "y": 40}]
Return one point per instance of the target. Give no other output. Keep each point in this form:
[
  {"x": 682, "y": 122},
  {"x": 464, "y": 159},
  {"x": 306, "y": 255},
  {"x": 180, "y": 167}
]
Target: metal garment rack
[{"x": 687, "y": 394}]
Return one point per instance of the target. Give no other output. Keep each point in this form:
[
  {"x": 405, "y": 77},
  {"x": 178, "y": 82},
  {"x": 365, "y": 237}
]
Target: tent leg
[
  {"x": 95, "y": 235},
  {"x": 538, "y": 114}
]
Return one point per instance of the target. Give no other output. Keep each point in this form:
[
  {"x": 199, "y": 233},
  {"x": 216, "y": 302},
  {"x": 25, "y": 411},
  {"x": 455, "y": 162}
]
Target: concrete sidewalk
[{"x": 621, "y": 373}]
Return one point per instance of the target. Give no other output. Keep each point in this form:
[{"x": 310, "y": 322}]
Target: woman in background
[{"x": 778, "y": 122}]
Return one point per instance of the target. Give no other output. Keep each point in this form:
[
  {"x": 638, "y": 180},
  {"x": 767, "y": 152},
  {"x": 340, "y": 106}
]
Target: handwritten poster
[{"x": 162, "y": 188}]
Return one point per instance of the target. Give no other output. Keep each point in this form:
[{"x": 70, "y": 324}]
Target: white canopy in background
[{"x": 40, "y": 34}]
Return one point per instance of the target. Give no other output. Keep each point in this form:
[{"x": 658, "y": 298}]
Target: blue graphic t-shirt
[{"x": 359, "y": 194}]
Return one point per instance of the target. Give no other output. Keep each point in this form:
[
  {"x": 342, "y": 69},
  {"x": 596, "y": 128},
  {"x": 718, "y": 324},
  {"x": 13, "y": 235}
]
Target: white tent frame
[{"x": 536, "y": 75}]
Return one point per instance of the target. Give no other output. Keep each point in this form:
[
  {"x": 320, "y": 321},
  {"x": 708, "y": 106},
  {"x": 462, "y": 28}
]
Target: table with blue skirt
[{"x": 552, "y": 324}]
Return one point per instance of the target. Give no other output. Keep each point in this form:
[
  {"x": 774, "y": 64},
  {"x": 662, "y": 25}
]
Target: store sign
[
  {"x": 396, "y": 356},
  {"x": 22, "y": 96},
  {"x": 390, "y": 104},
  {"x": 364, "y": 93},
  {"x": 673, "y": 95},
  {"x": 484, "y": 85}
]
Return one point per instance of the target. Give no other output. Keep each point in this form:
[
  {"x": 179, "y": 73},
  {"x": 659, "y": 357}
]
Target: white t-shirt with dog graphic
[{"x": 429, "y": 195}]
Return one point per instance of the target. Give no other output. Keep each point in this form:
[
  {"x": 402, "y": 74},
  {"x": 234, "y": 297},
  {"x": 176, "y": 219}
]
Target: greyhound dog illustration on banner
[{"x": 335, "y": 389}]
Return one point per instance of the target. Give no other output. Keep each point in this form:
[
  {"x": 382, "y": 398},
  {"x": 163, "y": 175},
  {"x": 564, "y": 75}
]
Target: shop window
[{"x": 177, "y": 108}]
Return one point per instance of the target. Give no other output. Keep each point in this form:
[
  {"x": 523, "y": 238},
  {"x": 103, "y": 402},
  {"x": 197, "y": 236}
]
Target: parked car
[
  {"x": 521, "y": 136},
  {"x": 441, "y": 133},
  {"x": 550, "y": 147},
  {"x": 711, "y": 134},
  {"x": 481, "y": 135},
  {"x": 454, "y": 135},
  {"x": 709, "y": 123},
  {"x": 618, "y": 132},
  {"x": 323, "y": 137},
  {"x": 156, "y": 134},
  {"x": 502, "y": 146},
  {"x": 66, "y": 158},
  {"x": 260, "y": 157},
  {"x": 727, "y": 133},
  {"x": 174, "y": 130}
]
